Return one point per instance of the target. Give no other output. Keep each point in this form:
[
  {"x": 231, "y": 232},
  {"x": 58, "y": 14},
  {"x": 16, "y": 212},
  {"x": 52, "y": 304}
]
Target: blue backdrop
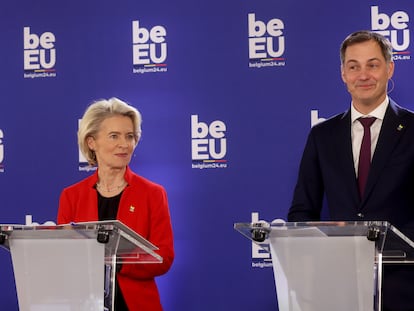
[{"x": 228, "y": 91}]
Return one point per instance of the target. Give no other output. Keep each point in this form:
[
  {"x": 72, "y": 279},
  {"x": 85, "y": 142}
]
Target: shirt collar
[{"x": 378, "y": 112}]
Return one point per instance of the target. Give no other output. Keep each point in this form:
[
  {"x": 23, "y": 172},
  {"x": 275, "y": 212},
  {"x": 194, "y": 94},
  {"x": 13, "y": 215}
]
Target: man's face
[{"x": 366, "y": 73}]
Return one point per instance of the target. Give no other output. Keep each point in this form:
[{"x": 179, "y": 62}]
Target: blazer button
[{"x": 360, "y": 215}]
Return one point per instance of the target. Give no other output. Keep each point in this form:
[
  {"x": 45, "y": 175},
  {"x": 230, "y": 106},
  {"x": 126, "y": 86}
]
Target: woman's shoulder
[
  {"x": 84, "y": 183},
  {"x": 136, "y": 180},
  {"x": 143, "y": 181}
]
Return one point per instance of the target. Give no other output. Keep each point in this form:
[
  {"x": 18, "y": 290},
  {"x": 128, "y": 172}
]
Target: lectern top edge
[
  {"x": 392, "y": 245},
  {"x": 85, "y": 230}
]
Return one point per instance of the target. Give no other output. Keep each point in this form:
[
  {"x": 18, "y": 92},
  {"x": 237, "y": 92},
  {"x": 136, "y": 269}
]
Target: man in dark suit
[{"x": 329, "y": 165}]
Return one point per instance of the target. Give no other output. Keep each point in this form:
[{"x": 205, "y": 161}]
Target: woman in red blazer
[{"x": 108, "y": 134}]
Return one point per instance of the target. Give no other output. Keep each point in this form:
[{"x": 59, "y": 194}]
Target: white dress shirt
[{"x": 357, "y": 130}]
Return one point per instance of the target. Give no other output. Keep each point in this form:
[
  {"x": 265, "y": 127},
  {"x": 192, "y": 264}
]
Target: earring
[{"x": 392, "y": 85}]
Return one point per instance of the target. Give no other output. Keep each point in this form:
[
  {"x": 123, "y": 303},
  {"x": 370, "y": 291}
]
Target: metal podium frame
[
  {"x": 72, "y": 266},
  {"x": 341, "y": 252}
]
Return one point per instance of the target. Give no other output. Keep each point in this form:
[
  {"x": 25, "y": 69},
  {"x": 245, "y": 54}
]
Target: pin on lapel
[
  {"x": 132, "y": 209},
  {"x": 400, "y": 127}
]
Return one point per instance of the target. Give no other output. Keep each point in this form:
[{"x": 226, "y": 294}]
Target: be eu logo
[
  {"x": 149, "y": 48},
  {"x": 39, "y": 54},
  {"x": 208, "y": 144},
  {"x": 395, "y": 27},
  {"x": 266, "y": 42},
  {"x": 83, "y": 163}
]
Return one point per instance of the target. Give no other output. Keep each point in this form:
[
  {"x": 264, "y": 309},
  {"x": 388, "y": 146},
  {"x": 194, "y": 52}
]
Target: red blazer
[{"x": 144, "y": 208}]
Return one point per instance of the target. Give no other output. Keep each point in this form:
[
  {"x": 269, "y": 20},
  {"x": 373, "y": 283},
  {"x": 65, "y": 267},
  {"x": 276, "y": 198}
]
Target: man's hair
[{"x": 363, "y": 36}]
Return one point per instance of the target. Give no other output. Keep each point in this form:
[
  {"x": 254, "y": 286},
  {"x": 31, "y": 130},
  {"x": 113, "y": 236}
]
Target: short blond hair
[{"x": 96, "y": 113}]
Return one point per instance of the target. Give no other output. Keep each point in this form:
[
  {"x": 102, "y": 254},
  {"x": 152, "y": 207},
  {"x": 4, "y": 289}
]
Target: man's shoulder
[
  {"x": 400, "y": 110},
  {"x": 333, "y": 121}
]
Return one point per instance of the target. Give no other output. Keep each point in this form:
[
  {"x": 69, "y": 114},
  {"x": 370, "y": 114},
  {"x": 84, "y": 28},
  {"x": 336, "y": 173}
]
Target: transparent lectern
[
  {"x": 325, "y": 266},
  {"x": 72, "y": 267}
]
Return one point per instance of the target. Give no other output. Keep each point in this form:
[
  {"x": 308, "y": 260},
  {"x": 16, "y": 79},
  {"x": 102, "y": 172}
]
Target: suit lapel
[
  {"x": 392, "y": 129},
  {"x": 345, "y": 156}
]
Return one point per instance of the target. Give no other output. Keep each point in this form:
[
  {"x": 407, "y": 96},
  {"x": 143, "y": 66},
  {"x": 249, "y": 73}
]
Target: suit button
[{"x": 360, "y": 215}]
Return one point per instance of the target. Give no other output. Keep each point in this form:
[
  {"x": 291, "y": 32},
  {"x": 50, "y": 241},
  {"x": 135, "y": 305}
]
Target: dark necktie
[{"x": 364, "y": 154}]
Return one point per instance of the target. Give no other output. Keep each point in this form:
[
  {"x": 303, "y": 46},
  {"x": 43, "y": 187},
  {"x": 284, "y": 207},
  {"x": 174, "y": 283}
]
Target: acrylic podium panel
[
  {"x": 330, "y": 265},
  {"x": 71, "y": 267}
]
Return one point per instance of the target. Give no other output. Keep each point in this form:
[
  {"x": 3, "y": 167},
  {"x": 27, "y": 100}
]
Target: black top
[
  {"x": 108, "y": 207},
  {"x": 107, "y": 210}
]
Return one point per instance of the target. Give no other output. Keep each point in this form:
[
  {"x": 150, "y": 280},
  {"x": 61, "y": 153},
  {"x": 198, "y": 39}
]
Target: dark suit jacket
[{"x": 327, "y": 171}]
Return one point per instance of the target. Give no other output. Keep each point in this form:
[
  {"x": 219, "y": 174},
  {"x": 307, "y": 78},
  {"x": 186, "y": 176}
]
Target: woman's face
[{"x": 114, "y": 143}]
